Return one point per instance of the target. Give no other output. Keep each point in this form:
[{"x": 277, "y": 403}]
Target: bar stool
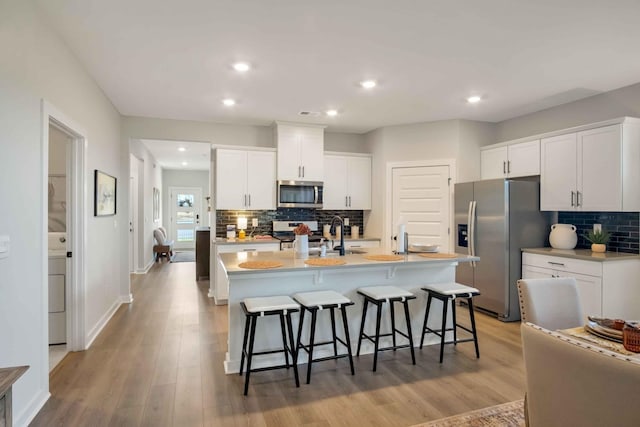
[
  {"x": 254, "y": 308},
  {"x": 317, "y": 301},
  {"x": 379, "y": 295},
  {"x": 446, "y": 292}
]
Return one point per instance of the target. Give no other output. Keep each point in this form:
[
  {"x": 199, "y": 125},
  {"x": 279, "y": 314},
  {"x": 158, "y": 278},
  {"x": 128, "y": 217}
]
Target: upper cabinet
[
  {"x": 510, "y": 160},
  {"x": 592, "y": 170},
  {"x": 300, "y": 152},
  {"x": 347, "y": 182},
  {"x": 245, "y": 179}
]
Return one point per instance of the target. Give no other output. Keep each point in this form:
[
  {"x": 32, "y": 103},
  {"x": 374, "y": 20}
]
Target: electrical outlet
[
  {"x": 597, "y": 228},
  {"x": 254, "y": 222},
  {"x": 346, "y": 221}
]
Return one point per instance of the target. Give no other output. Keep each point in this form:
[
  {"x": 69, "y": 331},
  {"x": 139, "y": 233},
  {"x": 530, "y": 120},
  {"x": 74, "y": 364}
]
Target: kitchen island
[{"x": 410, "y": 273}]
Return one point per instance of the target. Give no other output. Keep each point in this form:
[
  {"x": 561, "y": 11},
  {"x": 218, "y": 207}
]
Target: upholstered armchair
[
  {"x": 163, "y": 246},
  {"x": 570, "y": 383}
]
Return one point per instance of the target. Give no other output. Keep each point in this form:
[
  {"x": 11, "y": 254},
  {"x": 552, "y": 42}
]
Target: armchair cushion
[{"x": 160, "y": 234}]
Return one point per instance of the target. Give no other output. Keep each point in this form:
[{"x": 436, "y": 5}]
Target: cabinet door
[
  {"x": 523, "y": 159},
  {"x": 590, "y": 292},
  {"x": 558, "y": 171},
  {"x": 231, "y": 179},
  {"x": 600, "y": 169},
  {"x": 312, "y": 154},
  {"x": 335, "y": 183},
  {"x": 289, "y": 167},
  {"x": 493, "y": 163},
  {"x": 261, "y": 180},
  {"x": 359, "y": 182}
]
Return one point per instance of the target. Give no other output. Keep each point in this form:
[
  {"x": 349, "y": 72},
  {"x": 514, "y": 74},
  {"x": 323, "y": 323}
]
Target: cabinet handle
[
  {"x": 508, "y": 166},
  {"x": 249, "y": 250},
  {"x": 303, "y": 171},
  {"x": 504, "y": 167},
  {"x": 249, "y": 199},
  {"x": 572, "y": 195},
  {"x": 556, "y": 263},
  {"x": 349, "y": 201},
  {"x": 245, "y": 200},
  {"x": 299, "y": 171},
  {"x": 346, "y": 201},
  {"x": 578, "y": 199}
]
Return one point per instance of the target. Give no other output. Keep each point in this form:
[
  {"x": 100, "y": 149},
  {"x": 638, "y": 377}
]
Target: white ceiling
[
  {"x": 172, "y": 59},
  {"x": 166, "y": 153}
]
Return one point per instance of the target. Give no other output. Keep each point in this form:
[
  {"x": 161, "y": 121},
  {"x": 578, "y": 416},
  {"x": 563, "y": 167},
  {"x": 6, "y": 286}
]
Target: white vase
[
  {"x": 563, "y": 236},
  {"x": 301, "y": 245}
]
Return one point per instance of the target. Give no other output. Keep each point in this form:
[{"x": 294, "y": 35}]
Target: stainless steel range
[{"x": 283, "y": 231}]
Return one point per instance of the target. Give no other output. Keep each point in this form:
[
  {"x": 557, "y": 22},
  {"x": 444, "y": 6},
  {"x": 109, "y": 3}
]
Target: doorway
[
  {"x": 133, "y": 212},
  {"x": 64, "y": 208},
  {"x": 419, "y": 195},
  {"x": 186, "y": 210}
]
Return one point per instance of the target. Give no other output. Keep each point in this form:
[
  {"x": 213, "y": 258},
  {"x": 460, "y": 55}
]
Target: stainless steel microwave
[{"x": 300, "y": 194}]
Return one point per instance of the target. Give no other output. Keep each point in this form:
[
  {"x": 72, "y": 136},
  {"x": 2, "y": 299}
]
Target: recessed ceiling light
[
  {"x": 184, "y": 163},
  {"x": 229, "y": 102},
  {"x": 368, "y": 84},
  {"x": 474, "y": 99},
  {"x": 332, "y": 113},
  {"x": 182, "y": 149},
  {"x": 241, "y": 67}
]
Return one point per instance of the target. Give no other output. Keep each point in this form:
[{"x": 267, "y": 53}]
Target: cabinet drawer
[
  {"x": 590, "y": 268},
  {"x": 361, "y": 244},
  {"x": 248, "y": 247}
]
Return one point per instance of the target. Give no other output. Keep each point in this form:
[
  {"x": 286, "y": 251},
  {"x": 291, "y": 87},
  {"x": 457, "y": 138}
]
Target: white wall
[
  {"x": 149, "y": 176},
  {"x": 35, "y": 64},
  {"x": 616, "y": 103},
  {"x": 185, "y": 178},
  {"x": 345, "y": 142}
]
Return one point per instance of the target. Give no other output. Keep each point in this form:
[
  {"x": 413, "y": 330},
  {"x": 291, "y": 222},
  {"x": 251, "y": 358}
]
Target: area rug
[
  {"x": 509, "y": 414},
  {"x": 187, "y": 256}
]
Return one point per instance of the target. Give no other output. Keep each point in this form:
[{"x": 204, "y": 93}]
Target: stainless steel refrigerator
[{"x": 494, "y": 219}]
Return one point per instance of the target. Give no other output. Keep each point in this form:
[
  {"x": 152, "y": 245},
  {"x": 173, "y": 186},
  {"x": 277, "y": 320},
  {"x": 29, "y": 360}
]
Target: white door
[
  {"x": 289, "y": 167},
  {"x": 493, "y": 163},
  {"x": 359, "y": 183},
  {"x": 524, "y": 159},
  {"x": 335, "y": 183},
  {"x": 261, "y": 180},
  {"x": 312, "y": 154},
  {"x": 231, "y": 179},
  {"x": 558, "y": 171},
  {"x": 133, "y": 212},
  {"x": 421, "y": 200},
  {"x": 186, "y": 208}
]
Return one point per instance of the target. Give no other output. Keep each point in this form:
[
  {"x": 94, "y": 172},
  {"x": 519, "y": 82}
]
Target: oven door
[{"x": 300, "y": 194}]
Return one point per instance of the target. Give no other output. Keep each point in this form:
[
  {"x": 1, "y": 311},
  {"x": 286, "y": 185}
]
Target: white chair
[
  {"x": 574, "y": 384},
  {"x": 163, "y": 246},
  {"x": 552, "y": 303}
]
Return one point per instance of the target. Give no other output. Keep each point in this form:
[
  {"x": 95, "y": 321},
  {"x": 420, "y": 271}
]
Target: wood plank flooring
[{"x": 159, "y": 363}]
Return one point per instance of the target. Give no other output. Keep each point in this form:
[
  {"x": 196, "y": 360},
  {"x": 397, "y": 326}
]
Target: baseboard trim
[
  {"x": 126, "y": 299},
  {"x": 95, "y": 331},
  {"x": 32, "y": 409}
]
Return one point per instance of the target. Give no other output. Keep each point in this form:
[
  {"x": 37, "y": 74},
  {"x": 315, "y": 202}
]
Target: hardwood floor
[{"x": 159, "y": 362}]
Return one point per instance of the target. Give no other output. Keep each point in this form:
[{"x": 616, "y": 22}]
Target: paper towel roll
[
  {"x": 355, "y": 231},
  {"x": 400, "y": 239}
]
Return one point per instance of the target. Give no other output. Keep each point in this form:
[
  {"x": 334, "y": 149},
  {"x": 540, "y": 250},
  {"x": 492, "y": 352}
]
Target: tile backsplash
[
  {"x": 224, "y": 218},
  {"x": 623, "y": 226}
]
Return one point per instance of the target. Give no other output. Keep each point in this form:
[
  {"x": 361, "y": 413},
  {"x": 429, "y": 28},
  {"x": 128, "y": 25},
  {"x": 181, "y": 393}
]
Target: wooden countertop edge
[{"x": 8, "y": 376}]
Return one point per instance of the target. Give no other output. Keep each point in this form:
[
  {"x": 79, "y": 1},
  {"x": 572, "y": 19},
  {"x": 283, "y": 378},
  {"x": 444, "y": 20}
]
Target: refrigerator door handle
[
  {"x": 472, "y": 233},
  {"x": 469, "y": 229}
]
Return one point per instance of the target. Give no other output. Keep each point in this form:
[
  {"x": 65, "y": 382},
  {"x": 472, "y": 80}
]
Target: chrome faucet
[{"x": 333, "y": 221}]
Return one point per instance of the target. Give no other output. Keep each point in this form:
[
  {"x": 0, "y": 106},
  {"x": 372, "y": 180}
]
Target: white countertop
[
  {"x": 290, "y": 263},
  {"x": 247, "y": 240},
  {"x": 584, "y": 254}
]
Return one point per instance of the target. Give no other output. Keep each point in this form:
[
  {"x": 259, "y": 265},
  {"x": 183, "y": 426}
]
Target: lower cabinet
[
  {"x": 606, "y": 288},
  {"x": 354, "y": 244},
  {"x": 220, "y": 282},
  {"x": 57, "y": 303}
]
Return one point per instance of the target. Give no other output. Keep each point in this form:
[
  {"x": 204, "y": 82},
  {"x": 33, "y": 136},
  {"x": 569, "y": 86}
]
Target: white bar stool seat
[{"x": 264, "y": 304}]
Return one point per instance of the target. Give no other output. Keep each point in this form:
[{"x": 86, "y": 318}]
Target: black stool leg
[
  {"x": 426, "y": 317},
  {"x": 284, "y": 341},
  {"x": 294, "y": 353},
  {"x": 393, "y": 323},
  {"x": 252, "y": 336},
  {"x": 333, "y": 331},
  {"x": 298, "y": 342},
  {"x": 445, "y": 304},
  {"x": 455, "y": 322},
  {"x": 247, "y": 323},
  {"x": 364, "y": 317},
  {"x": 314, "y": 312},
  {"x": 473, "y": 326},
  {"x": 347, "y": 339},
  {"x": 377, "y": 341},
  {"x": 409, "y": 333}
]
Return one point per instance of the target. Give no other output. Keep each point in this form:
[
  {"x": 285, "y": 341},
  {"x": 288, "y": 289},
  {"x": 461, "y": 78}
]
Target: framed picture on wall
[
  {"x": 105, "y": 194},
  {"x": 156, "y": 204}
]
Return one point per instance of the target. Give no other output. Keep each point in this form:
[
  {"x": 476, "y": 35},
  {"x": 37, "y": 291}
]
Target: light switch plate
[
  {"x": 254, "y": 222},
  {"x": 4, "y": 246},
  {"x": 346, "y": 221},
  {"x": 597, "y": 228}
]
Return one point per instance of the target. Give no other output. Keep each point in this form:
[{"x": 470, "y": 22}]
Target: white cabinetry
[
  {"x": 57, "y": 300},
  {"x": 355, "y": 244},
  {"x": 245, "y": 179},
  {"x": 591, "y": 170},
  {"x": 220, "y": 285},
  {"x": 510, "y": 160},
  {"x": 300, "y": 152},
  {"x": 606, "y": 288},
  {"x": 347, "y": 182}
]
